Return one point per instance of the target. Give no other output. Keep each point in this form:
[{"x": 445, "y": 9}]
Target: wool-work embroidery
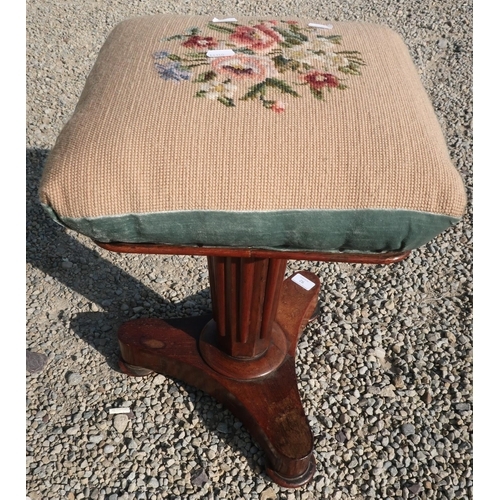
[{"x": 263, "y": 53}]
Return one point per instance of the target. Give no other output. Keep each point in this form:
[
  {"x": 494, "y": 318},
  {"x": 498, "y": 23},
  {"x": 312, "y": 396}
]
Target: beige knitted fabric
[{"x": 297, "y": 118}]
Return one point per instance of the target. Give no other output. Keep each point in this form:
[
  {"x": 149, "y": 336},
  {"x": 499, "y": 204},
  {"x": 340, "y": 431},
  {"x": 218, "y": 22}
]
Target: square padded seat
[{"x": 302, "y": 138}]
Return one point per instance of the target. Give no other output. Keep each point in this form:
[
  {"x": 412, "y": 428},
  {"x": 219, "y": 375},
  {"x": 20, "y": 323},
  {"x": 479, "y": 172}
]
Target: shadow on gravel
[{"x": 51, "y": 249}]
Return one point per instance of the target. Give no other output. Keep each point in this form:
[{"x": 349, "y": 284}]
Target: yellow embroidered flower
[
  {"x": 263, "y": 53},
  {"x": 316, "y": 53},
  {"x": 214, "y": 90}
]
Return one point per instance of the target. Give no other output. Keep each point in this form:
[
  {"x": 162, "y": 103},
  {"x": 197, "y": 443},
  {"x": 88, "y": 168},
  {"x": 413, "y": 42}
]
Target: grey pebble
[
  {"x": 73, "y": 378},
  {"x": 35, "y": 361},
  {"x": 222, "y": 427},
  {"x": 408, "y": 429},
  {"x": 389, "y": 305},
  {"x": 199, "y": 477},
  {"x": 153, "y": 483},
  {"x": 120, "y": 422},
  {"x": 340, "y": 437},
  {"x": 427, "y": 397},
  {"x": 398, "y": 381},
  {"x": 414, "y": 488},
  {"x": 268, "y": 494}
]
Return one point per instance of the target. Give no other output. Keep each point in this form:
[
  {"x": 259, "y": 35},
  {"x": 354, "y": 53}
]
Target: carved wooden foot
[{"x": 260, "y": 390}]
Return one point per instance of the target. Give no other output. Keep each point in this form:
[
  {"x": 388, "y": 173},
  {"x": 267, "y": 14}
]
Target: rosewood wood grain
[
  {"x": 244, "y": 354},
  {"x": 245, "y": 295},
  {"x": 269, "y": 405},
  {"x": 353, "y": 258}
]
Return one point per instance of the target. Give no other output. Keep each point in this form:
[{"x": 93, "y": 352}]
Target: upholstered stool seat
[{"x": 251, "y": 141}]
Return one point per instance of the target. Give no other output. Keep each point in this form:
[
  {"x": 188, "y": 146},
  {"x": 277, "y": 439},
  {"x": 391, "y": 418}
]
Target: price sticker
[
  {"x": 220, "y": 53},
  {"x": 322, "y": 26},
  {"x": 303, "y": 281}
]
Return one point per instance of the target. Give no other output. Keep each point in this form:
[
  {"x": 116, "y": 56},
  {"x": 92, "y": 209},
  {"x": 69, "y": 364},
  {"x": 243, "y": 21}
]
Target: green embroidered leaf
[
  {"x": 353, "y": 56},
  {"x": 292, "y": 36},
  {"x": 255, "y": 90},
  {"x": 336, "y": 39},
  {"x": 298, "y": 32},
  {"x": 317, "y": 93},
  {"x": 293, "y": 41},
  {"x": 206, "y": 77},
  {"x": 352, "y": 69},
  {"x": 358, "y": 62},
  {"x": 245, "y": 50},
  {"x": 283, "y": 64},
  {"x": 281, "y": 85},
  {"x": 280, "y": 62},
  {"x": 301, "y": 36},
  {"x": 289, "y": 35},
  {"x": 227, "y": 102},
  {"x": 220, "y": 28},
  {"x": 196, "y": 55},
  {"x": 197, "y": 65},
  {"x": 267, "y": 103},
  {"x": 349, "y": 52},
  {"x": 174, "y": 37}
]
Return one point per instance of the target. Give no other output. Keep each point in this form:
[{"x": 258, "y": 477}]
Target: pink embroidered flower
[
  {"x": 264, "y": 51},
  {"x": 278, "y": 107},
  {"x": 242, "y": 67},
  {"x": 200, "y": 42},
  {"x": 259, "y": 38},
  {"x": 318, "y": 80}
]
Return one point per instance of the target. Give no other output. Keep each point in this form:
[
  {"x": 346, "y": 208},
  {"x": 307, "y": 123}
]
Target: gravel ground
[{"x": 385, "y": 376}]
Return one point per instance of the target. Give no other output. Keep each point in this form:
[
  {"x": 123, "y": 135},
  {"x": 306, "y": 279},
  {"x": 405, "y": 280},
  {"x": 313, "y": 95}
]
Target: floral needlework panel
[{"x": 270, "y": 59}]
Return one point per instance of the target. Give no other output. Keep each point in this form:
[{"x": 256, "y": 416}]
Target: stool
[{"x": 251, "y": 141}]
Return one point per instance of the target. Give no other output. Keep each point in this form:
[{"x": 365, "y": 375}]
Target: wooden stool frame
[{"x": 244, "y": 355}]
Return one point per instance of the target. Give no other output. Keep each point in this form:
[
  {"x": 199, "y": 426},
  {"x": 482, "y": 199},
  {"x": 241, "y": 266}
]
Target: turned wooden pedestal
[{"x": 244, "y": 354}]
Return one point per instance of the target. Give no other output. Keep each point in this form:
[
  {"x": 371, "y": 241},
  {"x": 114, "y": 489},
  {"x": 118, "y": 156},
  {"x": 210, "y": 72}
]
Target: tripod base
[{"x": 261, "y": 392}]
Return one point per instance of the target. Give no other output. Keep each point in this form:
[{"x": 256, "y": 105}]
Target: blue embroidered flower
[
  {"x": 161, "y": 54},
  {"x": 172, "y": 71},
  {"x": 262, "y": 54}
]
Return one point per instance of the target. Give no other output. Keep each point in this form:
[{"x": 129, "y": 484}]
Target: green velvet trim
[{"x": 313, "y": 230}]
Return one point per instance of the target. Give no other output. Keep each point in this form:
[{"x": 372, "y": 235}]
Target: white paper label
[
  {"x": 227, "y": 20},
  {"x": 115, "y": 411},
  {"x": 303, "y": 281},
  {"x": 323, "y": 26},
  {"x": 220, "y": 53}
]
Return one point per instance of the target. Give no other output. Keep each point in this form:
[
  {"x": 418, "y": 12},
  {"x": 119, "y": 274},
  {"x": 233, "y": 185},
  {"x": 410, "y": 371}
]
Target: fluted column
[{"x": 245, "y": 296}]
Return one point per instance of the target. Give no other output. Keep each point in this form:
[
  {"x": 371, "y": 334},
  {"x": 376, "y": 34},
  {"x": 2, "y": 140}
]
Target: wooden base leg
[{"x": 268, "y": 404}]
